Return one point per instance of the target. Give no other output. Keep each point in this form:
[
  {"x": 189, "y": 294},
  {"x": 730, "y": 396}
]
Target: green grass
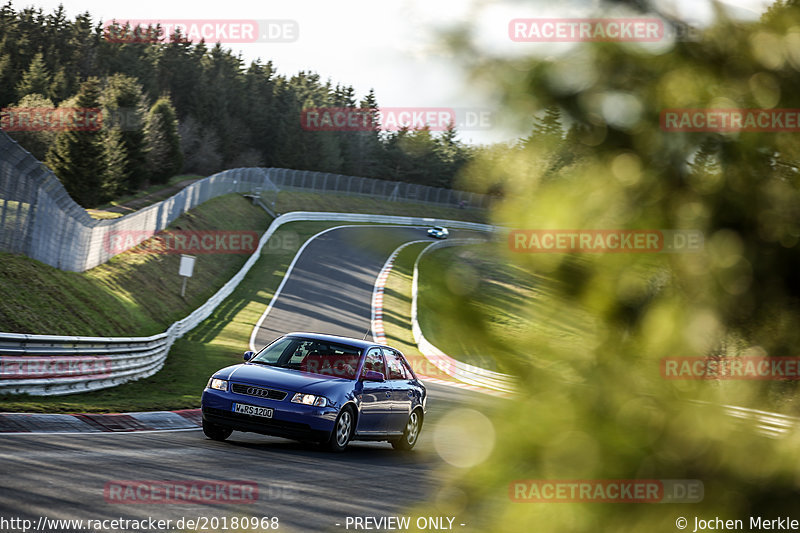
[
  {"x": 305, "y": 201},
  {"x": 13, "y": 210},
  {"x": 217, "y": 342},
  {"x": 500, "y": 301},
  {"x": 136, "y": 294},
  {"x": 103, "y": 215},
  {"x": 397, "y": 312},
  {"x": 132, "y": 294},
  {"x": 150, "y": 190}
]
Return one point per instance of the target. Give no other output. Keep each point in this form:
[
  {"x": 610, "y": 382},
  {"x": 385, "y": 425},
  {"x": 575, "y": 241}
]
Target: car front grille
[{"x": 259, "y": 392}]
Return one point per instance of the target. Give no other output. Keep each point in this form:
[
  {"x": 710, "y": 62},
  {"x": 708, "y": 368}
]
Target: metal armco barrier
[
  {"x": 323, "y": 182},
  {"x": 45, "y": 365},
  {"x": 48, "y": 364},
  {"x": 40, "y": 220}
]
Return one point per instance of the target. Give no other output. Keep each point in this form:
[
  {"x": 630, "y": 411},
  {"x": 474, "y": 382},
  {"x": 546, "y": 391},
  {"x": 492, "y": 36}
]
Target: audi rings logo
[{"x": 252, "y": 390}]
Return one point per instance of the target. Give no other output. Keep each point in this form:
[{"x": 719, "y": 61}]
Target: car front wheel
[
  {"x": 215, "y": 432},
  {"x": 342, "y": 431},
  {"x": 411, "y": 434}
]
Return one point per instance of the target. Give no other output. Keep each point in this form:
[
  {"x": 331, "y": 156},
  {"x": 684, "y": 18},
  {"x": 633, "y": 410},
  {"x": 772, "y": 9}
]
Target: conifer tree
[
  {"x": 35, "y": 80},
  {"x": 124, "y": 109},
  {"x": 77, "y": 156},
  {"x": 164, "y": 158},
  {"x": 116, "y": 175}
]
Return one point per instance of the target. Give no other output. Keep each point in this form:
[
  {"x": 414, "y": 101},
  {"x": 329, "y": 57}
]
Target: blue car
[{"x": 324, "y": 388}]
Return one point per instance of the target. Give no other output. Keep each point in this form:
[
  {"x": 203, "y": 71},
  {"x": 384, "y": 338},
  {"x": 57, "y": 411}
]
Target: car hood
[{"x": 280, "y": 378}]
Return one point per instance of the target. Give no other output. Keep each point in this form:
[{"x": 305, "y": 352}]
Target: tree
[
  {"x": 116, "y": 174},
  {"x": 200, "y": 148},
  {"x": 597, "y": 407},
  {"x": 548, "y": 128},
  {"x": 262, "y": 115},
  {"x": 368, "y": 152},
  {"x": 36, "y": 142},
  {"x": 77, "y": 157},
  {"x": 286, "y": 149},
  {"x": 451, "y": 156},
  {"x": 164, "y": 158},
  {"x": 7, "y": 91},
  {"x": 35, "y": 80},
  {"x": 230, "y": 111},
  {"x": 60, "y": 86},
  {"x": 179, "y": 73},
  {"x": 124, "y": 108}
]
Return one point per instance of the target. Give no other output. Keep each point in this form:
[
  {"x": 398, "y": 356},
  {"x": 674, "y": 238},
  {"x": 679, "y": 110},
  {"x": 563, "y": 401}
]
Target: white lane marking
[
  {"x": 378, "y": 332},
  {"x": 94, "y": 433},
  {"x": 294, "y": 261},
  {"x": 471, "y": 377}
]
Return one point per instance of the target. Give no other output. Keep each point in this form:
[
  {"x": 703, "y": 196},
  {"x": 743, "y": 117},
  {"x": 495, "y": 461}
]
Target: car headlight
[
  {"x": 309, "y": 399},
  {"x": 218, "y": 384}
]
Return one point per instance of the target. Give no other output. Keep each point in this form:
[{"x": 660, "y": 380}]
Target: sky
[{"x": 391, "y": 46}]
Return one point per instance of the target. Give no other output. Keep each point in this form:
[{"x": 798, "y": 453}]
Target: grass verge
[
  {"x": 305, "y": 201},
  {"x": 397, "y": 312},
  {"x": 152, "y": 189},
  {"x": 217, "y": 342},
  {"x": 498, "y": 300},
  {"x": 132, "y": 294}
]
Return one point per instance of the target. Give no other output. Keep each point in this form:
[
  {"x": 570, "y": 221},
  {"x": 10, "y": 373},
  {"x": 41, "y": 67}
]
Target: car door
[
  {"x": 376, "y": 397},
  {"x": 402, "y": 390}
]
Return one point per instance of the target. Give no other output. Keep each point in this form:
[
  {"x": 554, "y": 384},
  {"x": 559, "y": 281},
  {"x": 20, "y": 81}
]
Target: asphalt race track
[
  {"x": 64, "y": 476},
  {"x": 330, "y": 286}
]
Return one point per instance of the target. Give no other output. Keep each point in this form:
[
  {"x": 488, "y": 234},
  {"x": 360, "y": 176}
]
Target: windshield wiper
[{"x": 263, "y": 363}]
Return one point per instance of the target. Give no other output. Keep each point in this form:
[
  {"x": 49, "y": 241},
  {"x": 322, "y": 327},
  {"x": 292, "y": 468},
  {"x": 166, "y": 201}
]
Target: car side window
[
  {"x": 374, "y": 361},
  {"x": 304, "y": 348},
  {"x": 397, "y": 370}
]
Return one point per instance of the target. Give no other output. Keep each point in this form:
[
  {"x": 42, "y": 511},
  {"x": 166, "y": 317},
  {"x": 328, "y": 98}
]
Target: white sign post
[{"x": 186, "y": 269}]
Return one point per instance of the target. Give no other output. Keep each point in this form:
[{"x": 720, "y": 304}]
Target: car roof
[{"x": 333, "y": 338}]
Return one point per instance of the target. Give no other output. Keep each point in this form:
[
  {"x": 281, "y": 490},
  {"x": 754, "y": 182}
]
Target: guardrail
[
  {"x": 324, "y": 182},
  {"x": 766, "y": 423},
  {"x": 771, "y": 425},
  {"x": 39, "y": 219},
  {"x": 45, "y": 365}
]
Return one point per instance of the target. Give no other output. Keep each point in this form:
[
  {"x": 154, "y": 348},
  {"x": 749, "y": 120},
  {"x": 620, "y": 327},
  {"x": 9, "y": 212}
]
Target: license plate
[{"x": 252, "y": 410}]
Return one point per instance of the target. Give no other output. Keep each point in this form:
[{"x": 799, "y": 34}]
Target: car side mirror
[
  {"x": 371, "y": 375},
  {"x": 248, "y": 355}
]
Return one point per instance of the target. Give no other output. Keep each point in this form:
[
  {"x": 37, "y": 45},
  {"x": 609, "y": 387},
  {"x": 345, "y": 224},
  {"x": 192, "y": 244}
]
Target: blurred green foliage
[{"x": 617, "y": 168}]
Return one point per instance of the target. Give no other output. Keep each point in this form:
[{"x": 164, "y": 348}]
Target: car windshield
[{"x": 311, "y": 355}]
